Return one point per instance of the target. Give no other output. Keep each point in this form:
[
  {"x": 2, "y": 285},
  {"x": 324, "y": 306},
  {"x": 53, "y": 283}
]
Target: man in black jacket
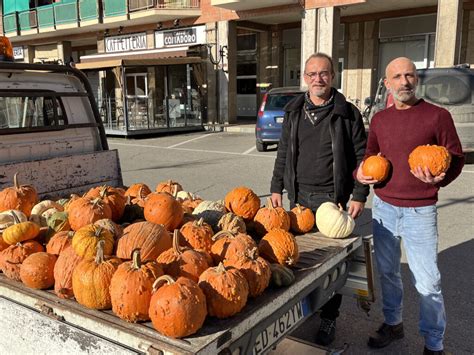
[{"x": 323, "y": 141}]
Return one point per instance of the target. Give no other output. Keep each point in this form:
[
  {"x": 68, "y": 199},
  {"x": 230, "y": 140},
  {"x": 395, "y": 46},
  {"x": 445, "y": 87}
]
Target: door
[{"x": 137, "y": 100}]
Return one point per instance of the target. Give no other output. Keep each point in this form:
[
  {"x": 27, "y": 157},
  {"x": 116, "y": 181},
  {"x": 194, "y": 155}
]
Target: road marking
[
  {"x": 189, "y": 140},
  {"x": 192, "y": 150},
  {"x": 249, "y": 150}
]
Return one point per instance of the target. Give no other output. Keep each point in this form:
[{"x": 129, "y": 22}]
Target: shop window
[
  {"x": 247, "y": 42},
  {"x": 246, "y": 86}
]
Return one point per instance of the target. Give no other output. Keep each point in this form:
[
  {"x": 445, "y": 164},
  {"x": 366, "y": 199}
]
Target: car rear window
[
  {"x": 446, "y": 88},
  {"x": 278, "y": 101}
]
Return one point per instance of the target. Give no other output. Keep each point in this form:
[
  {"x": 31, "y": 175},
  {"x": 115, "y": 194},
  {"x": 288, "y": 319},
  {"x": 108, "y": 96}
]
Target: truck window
[
  {"x": 445, "y": 89},
  {"x": 30, "y": 112}
]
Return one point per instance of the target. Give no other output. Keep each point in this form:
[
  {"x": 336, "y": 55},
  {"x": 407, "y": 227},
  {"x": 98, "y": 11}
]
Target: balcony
[
  {"x": 89, "y": 12},
  {"x": 162, "y": 10},
  {"x": 28, "y": 21},
  {"x": 45, "y": 18},
  {"x": 66, "y": 14},
  {"x": 240, "y": 5},
  {"x": 10, "y": 24}
]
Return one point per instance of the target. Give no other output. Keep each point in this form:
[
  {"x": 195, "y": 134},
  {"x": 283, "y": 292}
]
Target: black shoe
[
  {"x": 327, "y": 332},
  {"x": 385, "y": 335},
  {"x": 427, "y": 351}
]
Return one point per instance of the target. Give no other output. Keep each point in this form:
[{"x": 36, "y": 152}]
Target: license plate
[
  {"x": 275, "y": 331},
  {"x": 279, "y": 119}
]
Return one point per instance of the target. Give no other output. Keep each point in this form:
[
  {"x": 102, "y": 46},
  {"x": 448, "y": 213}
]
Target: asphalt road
[{"x": 211, "y": 164}]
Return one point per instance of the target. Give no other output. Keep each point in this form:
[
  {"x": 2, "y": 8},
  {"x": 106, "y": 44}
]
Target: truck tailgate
[{"x": 318, "y": 257}]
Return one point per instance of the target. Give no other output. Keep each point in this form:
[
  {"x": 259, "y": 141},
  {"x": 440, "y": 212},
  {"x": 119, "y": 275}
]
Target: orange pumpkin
[
  {"x": 83, "y": 211},
  {"x": 171, "y": 187},
  {"x": 91, "y": 280},
  {"x": 63, "y": 269},
  {"x": 436, "y": 158},
  {"x": 256, "y": 270},
  {"x": 161, "y": 208},
  {"x": 59, "y": 242},
  {"x": 131, "y": 288},
  {"x": 226, "y": 290},
  {"x": 177, "y": 308},
  {"x": 112, "y": 197},
  {"x": 12, "y": 257},
  {"x": 243, "y": 202},
  {"x": 37, "y": 270},
  {"x": 279, "y": 246},
  {"x": 377, "y": 167},
  {"x": 86, "y": 239},
  {"x": 3, "y": 244},
  {"x": 138, "y": 192},
  {"x": 197, "y": 235},
  {"x": 301, "y": 219},
  {"x": 184, "y": 262},
  {"x": 228, "y": 245},
  {"x": 269, "y": 217},
  {"x": 19, "y": 197},
  {"x": 152, "y": 240}
]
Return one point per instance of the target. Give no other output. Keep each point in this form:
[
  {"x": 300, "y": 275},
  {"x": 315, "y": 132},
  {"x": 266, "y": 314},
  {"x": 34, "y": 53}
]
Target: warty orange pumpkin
[
  {"x": 269, "y": 217},
  {"x": 12, "y": 257},
  {"x": 37, "y": 270},
  {"x": 63, "y": 269},
  {"x": 301, "y": 219},
  {"x": 162, "y": 208},
  {"x": 436, "y": 158},
  {"x": 19, "y": 197},
  {"x": 243, "y": 202},
  {"x": 279, "y": 246}
]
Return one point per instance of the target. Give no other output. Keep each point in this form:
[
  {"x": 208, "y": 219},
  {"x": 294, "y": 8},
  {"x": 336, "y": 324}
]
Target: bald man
[{"x": 404, "y": 205}]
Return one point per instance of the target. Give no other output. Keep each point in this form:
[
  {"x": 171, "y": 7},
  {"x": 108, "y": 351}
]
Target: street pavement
[{"x": 211, "y": 163}]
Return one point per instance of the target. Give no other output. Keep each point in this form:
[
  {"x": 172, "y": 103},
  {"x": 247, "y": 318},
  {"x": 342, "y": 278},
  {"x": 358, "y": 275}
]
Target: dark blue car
[{"x": 270, "y": 116}]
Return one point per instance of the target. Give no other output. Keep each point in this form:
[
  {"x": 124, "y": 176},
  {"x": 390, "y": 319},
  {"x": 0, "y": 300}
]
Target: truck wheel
[{"x": 261, "y": 147}]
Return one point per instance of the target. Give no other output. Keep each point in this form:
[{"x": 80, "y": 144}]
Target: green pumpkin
[{"x": 281, "y": 275}]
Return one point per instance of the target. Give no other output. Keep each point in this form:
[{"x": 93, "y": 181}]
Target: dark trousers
[{"x": 313, "y": 200}]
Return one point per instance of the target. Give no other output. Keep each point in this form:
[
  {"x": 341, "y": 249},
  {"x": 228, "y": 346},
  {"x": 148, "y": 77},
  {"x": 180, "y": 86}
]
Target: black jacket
[{"x": 348, "y": 145}]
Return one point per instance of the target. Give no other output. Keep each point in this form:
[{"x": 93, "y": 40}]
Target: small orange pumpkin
[
  {"x": 37, "y": 270},
  {"x": 269, "y": 217},
  {"x": 301, "y": 219},
  {"x": 63, "y": 269},
  {"x": 112, "y": 197},
  {"x": 162, "y": 208},
  {"x": 91, "y": 280},
  {"x": 19, "y": 197},
  {"x": 228, "y": 245},
  {"x": 177, "y": 308},
  {"x": 59, "y": 241},
  {"x": 279, "y": 246},
  {"x": 179, "y": 261},
  {"x": 376, "y": 166},
  {"x": 12, "y": 257},
  {"x": 171, "y": 187},
  {"x": 83, "y": 211},
  {"x": 197, "y": 235},
  {"x": 138, "y": 192},
  {"x": 226, "y": 290},
  {"x": 436, "y": 158},
  {"x": 243, "y": 202},
  {"x": 86, "y": 239},
  {"x": 131, "y": 288}
]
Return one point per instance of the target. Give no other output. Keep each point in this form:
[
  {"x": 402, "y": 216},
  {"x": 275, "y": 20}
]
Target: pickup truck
[{"x": 51, "y": 134}]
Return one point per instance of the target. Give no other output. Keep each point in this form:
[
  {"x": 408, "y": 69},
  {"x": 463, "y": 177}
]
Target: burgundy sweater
[{"x": 395, "y": 133}]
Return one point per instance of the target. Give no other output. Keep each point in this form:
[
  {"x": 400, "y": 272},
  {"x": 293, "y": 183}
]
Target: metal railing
[
  {"x": 45, "y": 16},
  {"x": 66, "y": 13},
  {"x": 10, "y": 23},
  {"x": 27, "y": 20},
  {"x": 88, "y": 10},
  {"x": 139, "y": 5}
]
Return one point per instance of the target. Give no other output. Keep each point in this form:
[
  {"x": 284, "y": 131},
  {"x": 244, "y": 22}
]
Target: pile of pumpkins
[{"x": 166, "y": 256}]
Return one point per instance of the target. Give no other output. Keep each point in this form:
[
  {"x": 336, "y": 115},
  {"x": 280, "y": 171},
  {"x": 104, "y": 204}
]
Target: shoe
[
  {"x": 385, "y": 335},
  {"x": 327, "y": 332},
  {"x": 427, "y": 351}
]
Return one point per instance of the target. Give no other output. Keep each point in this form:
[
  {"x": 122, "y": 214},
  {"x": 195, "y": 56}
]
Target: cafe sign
[
  {"x": 180, "y": 37},
  {"x": 126, "y": 43}
]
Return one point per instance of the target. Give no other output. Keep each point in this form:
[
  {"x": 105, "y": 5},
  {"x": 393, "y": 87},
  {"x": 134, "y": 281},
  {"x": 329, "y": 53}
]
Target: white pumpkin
[
  {"x": 333, "y": 221},
  {"x": 7, "y": 218}
]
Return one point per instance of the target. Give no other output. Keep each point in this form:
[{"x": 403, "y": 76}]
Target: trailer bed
[{"x": 319, "y": 257}]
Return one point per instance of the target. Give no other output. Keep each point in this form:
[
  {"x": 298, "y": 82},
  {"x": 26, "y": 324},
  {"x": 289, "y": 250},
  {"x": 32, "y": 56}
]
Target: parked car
[
  {"x": 451, "y": 88},
  {"x": 270, "y": 115}
]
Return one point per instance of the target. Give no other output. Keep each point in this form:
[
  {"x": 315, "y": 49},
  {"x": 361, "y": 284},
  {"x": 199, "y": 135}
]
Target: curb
[{"x": 230, "y": 128}]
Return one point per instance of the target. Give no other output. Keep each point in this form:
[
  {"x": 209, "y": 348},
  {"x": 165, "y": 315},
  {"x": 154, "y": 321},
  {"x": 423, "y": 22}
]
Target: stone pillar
[
  {"x": 64, "y": 52},
  {"x": 448, "y": 33},
  {"x": 468, "y": 35},
  {"x": 355, "y": 53},
  {"x": 211, "y": 75},
  {"x": 320, "y": 33},
  {"x": 277, "y": 60},
  {"x": 264, "y": 62},
  {"x": 227, "y": 82},
  {"x": 369, "y": 61},
  {"x": 29, "y": 54}
]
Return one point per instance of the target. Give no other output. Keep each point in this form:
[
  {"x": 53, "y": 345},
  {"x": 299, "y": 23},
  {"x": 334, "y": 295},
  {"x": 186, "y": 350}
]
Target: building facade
[{"x": 178, "y": 64}]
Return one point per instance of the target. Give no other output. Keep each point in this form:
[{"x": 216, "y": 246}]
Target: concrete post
[
  {"x": 64, "y": 51},
  {"x": 320, "y": 33},
  {"x": 448, "y": 33},
  {"x": 264, "y": 62},
  {"x": 227, "y": 38},
  {"x": 211, "y": 75}
]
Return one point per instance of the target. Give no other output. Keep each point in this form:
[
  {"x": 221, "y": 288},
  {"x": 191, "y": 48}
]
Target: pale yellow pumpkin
[{"x": 333, "y": 221}]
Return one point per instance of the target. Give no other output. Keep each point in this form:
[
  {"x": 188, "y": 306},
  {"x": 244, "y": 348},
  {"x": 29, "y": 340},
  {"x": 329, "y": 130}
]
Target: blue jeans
[{"x": 417, "y": 228}]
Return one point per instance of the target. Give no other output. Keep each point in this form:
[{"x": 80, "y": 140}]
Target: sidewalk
[{"x": 243, "y": 125}]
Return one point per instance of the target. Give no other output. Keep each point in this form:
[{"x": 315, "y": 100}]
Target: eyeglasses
[{"x": 322, "y": 74}]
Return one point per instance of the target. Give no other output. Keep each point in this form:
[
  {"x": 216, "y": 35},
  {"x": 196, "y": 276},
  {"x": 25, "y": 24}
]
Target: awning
[{"x": 138, "y": 58}]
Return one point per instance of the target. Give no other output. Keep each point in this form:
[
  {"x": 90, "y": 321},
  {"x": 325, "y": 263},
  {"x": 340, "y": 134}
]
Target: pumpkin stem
[
  {"x": 176, "y": 247},
  {"x": 99, "y": 257},
  {"x": 221, "y": 234},
  {"x": 165, "y": 278},
  {"x": 270, "y": 203},
  {"x": 175, "y": 190},
  {"x": 137, "y": 261},
  {"x": 299, "y": 208},
  {"x": 103, "y": 191},
  {"x": 15, "y": 181},
  {"x": 199, "y": 222},
  {"x": 252, "y": 253},
  {"x": 340, "y": 207},
  {"x": 220, "y": 268},
  {"x": 97, "y": 230}
]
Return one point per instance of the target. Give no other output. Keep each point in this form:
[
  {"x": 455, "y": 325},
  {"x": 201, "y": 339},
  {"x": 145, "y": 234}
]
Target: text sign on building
[
  {"x": 18, "y": 53},
  {"x": 126, "y": 43},
  {"x": 180, "y": 37}
]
